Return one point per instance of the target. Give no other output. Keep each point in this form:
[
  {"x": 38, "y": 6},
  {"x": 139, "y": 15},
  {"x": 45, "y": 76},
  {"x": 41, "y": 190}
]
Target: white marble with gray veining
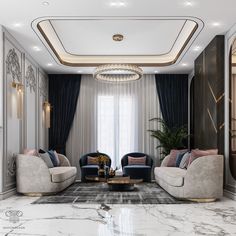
[{"x": 217, "y": 218}]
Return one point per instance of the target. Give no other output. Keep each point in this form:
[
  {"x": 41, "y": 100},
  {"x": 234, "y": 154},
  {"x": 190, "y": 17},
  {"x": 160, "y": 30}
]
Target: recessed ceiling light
[
  {"x": 184, "y": 64},
  {"x": 49, "y": 64},
  {"x": 156, "y": 71},
  {"x": 79, "y": 71},
  {"x": 117, "y": 4},
  {"x": 216, "y": 24},
  {"x": 197, "y": 48},
  {"x": 188, "y": 3},
  {"x": 36, "y": 48},
  {"x": 45, "y": 3},
  {"x": 17, "y": 24}
]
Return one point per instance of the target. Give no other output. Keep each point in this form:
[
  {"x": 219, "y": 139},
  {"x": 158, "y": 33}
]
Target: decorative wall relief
[
  {"x": 31, "y": 106},
  {"x": 43, "y": 96},
  {"x": 13, "y": 126},
  {"x": 13, "y": 65},
  {"x": 30, "y": 78},
  {"x": 11, "y": 165}
]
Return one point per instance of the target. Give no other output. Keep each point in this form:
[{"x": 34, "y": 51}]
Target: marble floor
[{"x": 19, "y": 217}]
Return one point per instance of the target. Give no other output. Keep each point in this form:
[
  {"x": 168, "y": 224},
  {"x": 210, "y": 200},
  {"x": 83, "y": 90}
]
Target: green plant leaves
[{"x": 169, "y": 138}]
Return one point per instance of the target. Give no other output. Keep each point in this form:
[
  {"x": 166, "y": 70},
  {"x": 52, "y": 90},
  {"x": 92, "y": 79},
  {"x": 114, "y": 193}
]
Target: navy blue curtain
[
  {"x": 172, "y": 91},
  {"x": 63, "y": 95}
]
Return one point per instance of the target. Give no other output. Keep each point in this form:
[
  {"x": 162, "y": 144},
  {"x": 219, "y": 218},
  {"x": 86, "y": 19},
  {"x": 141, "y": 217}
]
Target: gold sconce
[
  {"x": 47, "y": 111},
  {"x": 19, "y": 88}
]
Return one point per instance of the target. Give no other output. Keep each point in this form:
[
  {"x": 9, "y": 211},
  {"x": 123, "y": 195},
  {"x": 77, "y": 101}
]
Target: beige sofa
[
  {"x": 202, "y": 181},
  {"x": 34, "y": 178}
]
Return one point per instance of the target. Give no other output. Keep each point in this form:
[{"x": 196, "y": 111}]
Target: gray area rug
[{"x": 98, "y": 193}]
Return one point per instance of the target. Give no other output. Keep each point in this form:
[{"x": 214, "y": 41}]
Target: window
[{"x": 115, "y": 125}]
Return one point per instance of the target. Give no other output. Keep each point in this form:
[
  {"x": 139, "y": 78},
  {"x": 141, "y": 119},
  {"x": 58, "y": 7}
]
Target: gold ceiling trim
[{"x": 139, "y": 60}]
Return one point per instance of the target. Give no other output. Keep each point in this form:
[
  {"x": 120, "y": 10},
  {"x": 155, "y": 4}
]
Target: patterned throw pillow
[
  {"x": 173, "y": 156},
  {"x": 92, "y": 160},
  {"x": 184, "y": 162},
  {"x": 45, "y": 156},
  {"x": 196, "y": 153},
  {"x": 31, "y": 152},
  {"x": 137, "y": 160}
]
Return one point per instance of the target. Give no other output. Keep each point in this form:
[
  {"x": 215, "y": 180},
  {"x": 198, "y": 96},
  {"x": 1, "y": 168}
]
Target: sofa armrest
[
  {"x": 31, "y": 168},
  {"x": 204, "y": 176},
  {"x": 63, "y": 160},
  {"x": 165, "y": 161}
]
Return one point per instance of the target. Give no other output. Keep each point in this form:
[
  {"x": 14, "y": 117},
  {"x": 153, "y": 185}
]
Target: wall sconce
[
  {"x": 19, "y": 88},
  {"x": 47, "y": 110}
]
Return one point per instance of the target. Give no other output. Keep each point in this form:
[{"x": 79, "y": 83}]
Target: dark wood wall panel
[{"x": 208, "y": 97}]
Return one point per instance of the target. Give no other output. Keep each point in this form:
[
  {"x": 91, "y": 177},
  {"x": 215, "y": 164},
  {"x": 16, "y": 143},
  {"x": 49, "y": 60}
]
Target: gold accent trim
[
  {"x": 221, "y": 126},
  {"x": 202, "y": 200},
  {"x": 66, "y": 63},
  {"x": 216, "y": 99},
  {"x": 212, "y": 121},
  {"x": 118, "y": 37}
]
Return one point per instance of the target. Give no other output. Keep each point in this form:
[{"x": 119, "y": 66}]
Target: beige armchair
[{"x": 33, "y": 177}]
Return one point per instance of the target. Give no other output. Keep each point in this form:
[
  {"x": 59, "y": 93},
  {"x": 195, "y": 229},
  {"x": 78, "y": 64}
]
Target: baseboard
[
  {"x": 7, "y": 194},
  {"x": 229, "y": 194}
]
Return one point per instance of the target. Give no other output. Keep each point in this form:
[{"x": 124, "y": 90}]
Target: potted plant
[{"x": 169, "y": 138}]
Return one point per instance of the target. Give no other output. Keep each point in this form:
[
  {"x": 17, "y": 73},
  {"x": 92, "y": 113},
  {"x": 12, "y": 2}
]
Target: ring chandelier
[{"x": 118, "y": 73}]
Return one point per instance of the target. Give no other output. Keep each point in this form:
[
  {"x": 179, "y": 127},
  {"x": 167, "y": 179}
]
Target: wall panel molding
[{"x": 19, "y": 134}]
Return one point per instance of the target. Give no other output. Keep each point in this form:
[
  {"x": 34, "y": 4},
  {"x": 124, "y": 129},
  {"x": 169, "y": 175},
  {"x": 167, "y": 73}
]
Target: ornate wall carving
[
  {"x": 13, "y": 65},
  {"x": 30, "y": 78}
]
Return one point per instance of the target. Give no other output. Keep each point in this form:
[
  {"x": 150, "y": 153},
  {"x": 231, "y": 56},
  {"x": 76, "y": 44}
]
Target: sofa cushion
[
  {"x": 89, "y": 167},
  {"x": 173, "y": 176},
  {"x": 184, "y": 162},
  {"x": 137, "y": 160},
  {"x": 60, "y": 174},
  {"x": 173, "y": 156},
  {"x": 196, "y": 153},
  {"x": 92, "y": 160},
  {"x": 45, "y": 156}
]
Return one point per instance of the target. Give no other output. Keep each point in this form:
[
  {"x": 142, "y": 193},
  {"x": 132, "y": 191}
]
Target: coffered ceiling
[{"x": 75, "y": 36}]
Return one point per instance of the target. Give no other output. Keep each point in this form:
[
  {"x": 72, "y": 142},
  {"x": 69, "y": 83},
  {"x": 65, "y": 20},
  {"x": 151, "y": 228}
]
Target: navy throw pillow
[
  {"x": 53, "y": 158},
  {"x": 179, "y": 158}
]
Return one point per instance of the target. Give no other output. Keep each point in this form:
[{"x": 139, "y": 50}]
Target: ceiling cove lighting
[
  {"x": 118, "y": 73},
  {"x": 54, "y": 33}
]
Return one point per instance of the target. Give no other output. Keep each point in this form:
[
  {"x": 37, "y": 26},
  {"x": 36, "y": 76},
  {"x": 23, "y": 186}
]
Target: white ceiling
[
  {"x": 218, "y": 17},
  {"x": 141, "y": 37}
]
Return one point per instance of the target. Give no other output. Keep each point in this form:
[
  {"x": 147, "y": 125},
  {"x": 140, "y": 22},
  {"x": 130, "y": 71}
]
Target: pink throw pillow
[
  {"x": 137, "y": 160},
  {"x": 31, "y": 152},
  {"x": 173, "y": 156},
  {"x": 196, "y": 153}
]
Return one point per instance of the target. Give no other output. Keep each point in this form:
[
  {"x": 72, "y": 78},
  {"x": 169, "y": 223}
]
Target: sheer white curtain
[{"x": 114, "y": 119}]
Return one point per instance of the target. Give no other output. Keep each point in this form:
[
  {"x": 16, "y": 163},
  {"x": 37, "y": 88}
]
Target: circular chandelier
[{"x": 118, "y": 73}]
